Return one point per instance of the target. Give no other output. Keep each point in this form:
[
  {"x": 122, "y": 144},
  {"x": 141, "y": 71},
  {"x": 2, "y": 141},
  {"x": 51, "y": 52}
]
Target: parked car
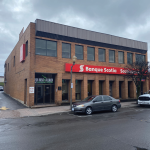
[
  {"x": 1, "y": 88},
  {"x": 96, "y": 103},
  {"x": 144, "y": 99}
]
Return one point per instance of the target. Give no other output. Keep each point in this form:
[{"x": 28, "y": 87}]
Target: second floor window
[
  {"x": 129, "y": 58},
  {"x": 14, "y": 61},
  {"x": 46, "y": 48},
  {"x": 27, "y": 48},
  {"x": 121, "y": 57},
  {"x": 40, "y": 47},
  {"x": 111, "y": 56},
  {"x": 139, "y": 57},
  {"x": 51, "y": 48},
  {"x": 66, "y": 50},
  {"x": 79, "y": 51},
  {"x": 90, "y": 53},
  {"x": 101, "y": 55}
]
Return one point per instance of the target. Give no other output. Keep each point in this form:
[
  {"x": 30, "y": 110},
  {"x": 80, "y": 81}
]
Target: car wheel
[
  {"x": 88, "y": 111},
  {"x": 114, "y": 108}
]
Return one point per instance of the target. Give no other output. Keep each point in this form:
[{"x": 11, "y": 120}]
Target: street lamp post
[{"x": 74, "y": 60}]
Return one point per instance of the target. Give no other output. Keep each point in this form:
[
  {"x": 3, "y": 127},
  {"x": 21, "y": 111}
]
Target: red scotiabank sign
[
  {"x": 22, "y": 52},
  {"x": 94, "y": 69}
]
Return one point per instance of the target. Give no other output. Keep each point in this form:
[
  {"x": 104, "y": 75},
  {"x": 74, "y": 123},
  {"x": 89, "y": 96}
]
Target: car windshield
[{"x": 89, "y": 98}]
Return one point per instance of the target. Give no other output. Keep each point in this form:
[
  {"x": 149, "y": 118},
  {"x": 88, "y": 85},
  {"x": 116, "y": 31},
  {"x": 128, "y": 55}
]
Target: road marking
[
  {"x": 4, "y": 108},
  {"x": 86, "y": 116}
]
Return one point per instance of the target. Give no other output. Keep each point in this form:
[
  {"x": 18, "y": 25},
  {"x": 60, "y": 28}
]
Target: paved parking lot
[{"x": 9, "y": 103}]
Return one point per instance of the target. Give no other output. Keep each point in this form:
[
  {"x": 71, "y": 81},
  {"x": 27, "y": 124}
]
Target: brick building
[{"x": 37, "y": 70}]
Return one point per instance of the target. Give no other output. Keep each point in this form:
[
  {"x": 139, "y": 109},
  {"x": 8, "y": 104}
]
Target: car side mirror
[{"x": 94, "y": 101}]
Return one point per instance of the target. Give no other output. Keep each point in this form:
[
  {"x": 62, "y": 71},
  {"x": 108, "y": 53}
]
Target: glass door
[
  {"x": 44, "y": 93},
  {"x": 52, "y": 93},
  {"x": 47, "y": 93},
  {"x": 39, "y": 94}
]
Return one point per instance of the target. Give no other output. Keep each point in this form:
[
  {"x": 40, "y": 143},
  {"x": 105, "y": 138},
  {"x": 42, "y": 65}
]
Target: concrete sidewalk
[{"x": 28, "y": 112}]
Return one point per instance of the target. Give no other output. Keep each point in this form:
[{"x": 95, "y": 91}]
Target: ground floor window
[
  {"x": 90, "y": 87},
  {"x": 65, "y": 89},
  {"x": 100, "y": 87},
  {"x": 141, "y": 88},
  {"x": 78, "y": 89},
  {"x": 110, "y": 87},
  {"x": 120, "y": 89},
  {"x": 129, "y": 89}
]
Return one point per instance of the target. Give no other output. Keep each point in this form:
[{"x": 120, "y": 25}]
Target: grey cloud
[{"x": 116, "y": 17}]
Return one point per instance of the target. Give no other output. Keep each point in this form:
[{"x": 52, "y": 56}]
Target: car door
[
  {"x": 108, "y": 101},
  {"x": 97, "y": 103}
]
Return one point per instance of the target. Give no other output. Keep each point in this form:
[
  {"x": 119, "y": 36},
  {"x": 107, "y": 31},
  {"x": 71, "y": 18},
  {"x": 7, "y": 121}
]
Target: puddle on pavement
[{"x": 138, "y": 148}]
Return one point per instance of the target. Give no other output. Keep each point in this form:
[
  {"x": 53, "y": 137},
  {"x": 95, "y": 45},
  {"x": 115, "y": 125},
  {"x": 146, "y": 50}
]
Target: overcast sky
[{"x": 124, "y": 18}]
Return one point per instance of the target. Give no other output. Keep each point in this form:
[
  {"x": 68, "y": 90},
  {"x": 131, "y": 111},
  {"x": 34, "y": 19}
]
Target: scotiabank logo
[{"x": 81, "y": 68}]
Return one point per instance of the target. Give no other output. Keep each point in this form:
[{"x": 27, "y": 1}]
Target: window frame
[
  {"x": 51, "y": 50},
  {"x": 140, "y": 56},
  {"x": 118, "y": 57},
  {"x": 90, "y": 54},
  {"x": 114, "y": 56},
  {"x": 82, "y": 51},
  {"x": 104, "y": 54},
  {"x": 26, "y": 49},
  {"x": 62, "y": 50},
  {"x": 127, "y": 57},
  {"x": 14, "y": 62},
  {"x": 46, "y": 47}
]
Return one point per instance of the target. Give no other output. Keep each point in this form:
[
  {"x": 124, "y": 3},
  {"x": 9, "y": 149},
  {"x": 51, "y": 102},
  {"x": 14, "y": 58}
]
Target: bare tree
[{"x": 137, "y": 71}]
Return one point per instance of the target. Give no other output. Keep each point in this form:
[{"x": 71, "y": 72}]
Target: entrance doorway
[
  {"x": 90, "y": 87},
  {"x": 44, "y": 88},
  {"x": 44, "y": 93}
]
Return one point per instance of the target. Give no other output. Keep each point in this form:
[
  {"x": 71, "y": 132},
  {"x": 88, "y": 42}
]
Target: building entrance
[
  {"x": 44, "y": 93},
  {"x": 44, "y": 89}
]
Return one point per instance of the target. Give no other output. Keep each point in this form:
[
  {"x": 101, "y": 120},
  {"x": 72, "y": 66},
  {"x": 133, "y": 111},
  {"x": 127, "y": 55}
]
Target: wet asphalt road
[
  {"x": 127, "y": 129},
  {"x": 10, "y": 103}
]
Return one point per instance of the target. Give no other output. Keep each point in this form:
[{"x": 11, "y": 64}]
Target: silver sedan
[{"x": 96, "y": 103}]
